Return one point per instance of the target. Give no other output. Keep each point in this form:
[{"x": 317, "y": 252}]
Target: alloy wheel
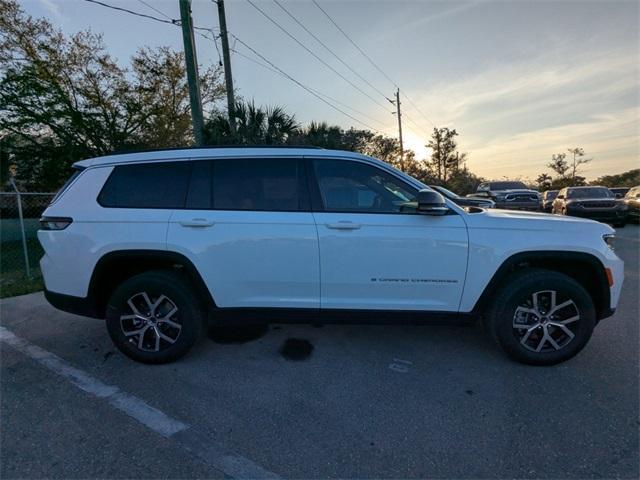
[
  {"x": 545, "y": 322},
  {"x": 151, "y": 323}
]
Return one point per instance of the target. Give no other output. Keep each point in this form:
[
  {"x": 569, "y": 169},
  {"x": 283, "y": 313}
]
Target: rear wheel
[
  {"x": 154, "y": 317},
  {"x": 541, "y": 317}
]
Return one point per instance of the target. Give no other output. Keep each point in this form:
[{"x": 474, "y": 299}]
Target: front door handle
[
  {"x": 343, "y": 226},
  {"x": 197, "y": 222}
]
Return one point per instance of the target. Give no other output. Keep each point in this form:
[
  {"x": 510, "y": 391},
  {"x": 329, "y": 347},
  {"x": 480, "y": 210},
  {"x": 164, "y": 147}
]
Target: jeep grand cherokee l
[
  {"x": 509, "y": 195},
  {"x": 597, "y": 203},
  {"x": 159, "y": 243}
]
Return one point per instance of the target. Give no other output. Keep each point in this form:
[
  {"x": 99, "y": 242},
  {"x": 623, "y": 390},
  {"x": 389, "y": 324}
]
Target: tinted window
[
  {"x": 258, "y": 184},
  {"x": 347, "y": 186},
  {"x": 550, "y": 194},
  {"x": 507, "y": 186},
  {"x": 199, "y": 196},
  {"x": 590, "y": 193},
  {"x": 147, "y": 185}
]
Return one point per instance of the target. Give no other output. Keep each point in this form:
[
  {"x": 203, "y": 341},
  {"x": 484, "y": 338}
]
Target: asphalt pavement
[{"x": 317, "y": 401}]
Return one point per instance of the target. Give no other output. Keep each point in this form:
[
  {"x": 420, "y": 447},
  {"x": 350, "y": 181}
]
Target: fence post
[{"x": 24, "y": 238}]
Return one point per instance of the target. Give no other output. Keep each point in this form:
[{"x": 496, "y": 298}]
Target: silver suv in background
[{"x": 509, "y": 195}]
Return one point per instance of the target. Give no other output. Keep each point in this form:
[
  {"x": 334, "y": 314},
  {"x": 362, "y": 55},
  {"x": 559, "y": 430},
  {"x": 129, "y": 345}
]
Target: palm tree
[{"x": 254, "y": 126}]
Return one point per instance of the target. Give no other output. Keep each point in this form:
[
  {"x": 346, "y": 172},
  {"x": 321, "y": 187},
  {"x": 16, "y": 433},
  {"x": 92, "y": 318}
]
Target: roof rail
[{"x": 207, "y": 147}]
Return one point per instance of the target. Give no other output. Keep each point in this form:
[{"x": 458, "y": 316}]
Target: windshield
[
  {"x": 507, "y": 185},
  {"x": 550, "y": 194},
  {"x": 590, "y": 193}
]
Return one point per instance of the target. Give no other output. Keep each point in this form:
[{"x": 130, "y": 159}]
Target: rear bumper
[{"x": 68, "y": 303}]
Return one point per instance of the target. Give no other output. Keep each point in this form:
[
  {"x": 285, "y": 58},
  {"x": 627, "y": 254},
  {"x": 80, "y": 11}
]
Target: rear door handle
[
  {"x": 197, "y": 222},
  {"x": 343, "y": 226}
]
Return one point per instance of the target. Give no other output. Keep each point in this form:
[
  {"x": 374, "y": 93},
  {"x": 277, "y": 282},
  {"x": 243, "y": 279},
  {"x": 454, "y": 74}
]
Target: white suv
[{"x": 159, "y": 243}]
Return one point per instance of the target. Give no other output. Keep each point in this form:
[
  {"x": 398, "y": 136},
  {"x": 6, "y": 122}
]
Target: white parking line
[{"x": 232, "y": 465}]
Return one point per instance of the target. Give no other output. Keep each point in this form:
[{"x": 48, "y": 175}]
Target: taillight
[{"x": 55, "y": 223}]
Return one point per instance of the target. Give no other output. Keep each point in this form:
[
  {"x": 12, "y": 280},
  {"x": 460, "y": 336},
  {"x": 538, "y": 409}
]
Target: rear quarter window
[{"x": 147, "y": 185}]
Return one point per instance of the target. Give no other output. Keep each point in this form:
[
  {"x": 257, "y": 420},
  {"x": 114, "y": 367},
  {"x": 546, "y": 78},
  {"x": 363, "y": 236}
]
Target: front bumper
[{"x": 613, "y": 216}]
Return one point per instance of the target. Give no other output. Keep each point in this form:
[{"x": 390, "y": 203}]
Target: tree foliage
[
  {"x": 630, "y": 178},
  {"x": 444, "y": 155},
  {"x": 65, "y": 98}
]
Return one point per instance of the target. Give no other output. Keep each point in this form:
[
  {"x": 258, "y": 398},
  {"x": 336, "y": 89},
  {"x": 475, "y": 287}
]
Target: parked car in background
[
  {"x": 597, "y": 203},
  {"x": 619, "y": 192},
  {"x": 509, "y": 195},
  {"x": 547, "y": 200},
  {"x": 632, "y": 201},
  {"x": 464, "y": 201}
]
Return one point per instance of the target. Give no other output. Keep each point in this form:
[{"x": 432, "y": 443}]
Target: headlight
[{"x": 609, "y": 239}]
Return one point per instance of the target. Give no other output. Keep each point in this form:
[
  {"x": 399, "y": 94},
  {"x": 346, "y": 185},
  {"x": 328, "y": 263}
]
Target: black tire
[
  {"x": 508, "y": 323},
  {"x": 177, "y": 293}
]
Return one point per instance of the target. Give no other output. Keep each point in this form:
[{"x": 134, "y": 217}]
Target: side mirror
[
  {"x": 431, "y": 203},
  {"x": 560, "y": 197}
]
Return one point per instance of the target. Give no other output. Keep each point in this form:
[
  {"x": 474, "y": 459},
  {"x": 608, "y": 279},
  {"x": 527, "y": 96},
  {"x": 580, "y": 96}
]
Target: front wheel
[
  {"x": 541, "y": 317},
  {"x": 154, "y": 317}
]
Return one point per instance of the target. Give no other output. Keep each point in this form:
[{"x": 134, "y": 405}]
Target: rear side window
[
  {"x": 147, "y": 185},
  {"x": 267, "y": 184}
]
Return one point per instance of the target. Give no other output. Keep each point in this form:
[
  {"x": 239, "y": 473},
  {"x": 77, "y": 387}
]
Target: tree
[
  {"x": 630, "y": 178},
  {"x": 559, "y": 164},
  {"x": 543, "y": 181},
  {"x": 444, "y": 157},
  {"x": 254, "y": 126},
  {"x": 578, "y": 159}
]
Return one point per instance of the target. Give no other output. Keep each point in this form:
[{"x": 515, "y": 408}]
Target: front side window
[
  {"x": 147, "y": 185},
  {"x": 348, "y": 186}
]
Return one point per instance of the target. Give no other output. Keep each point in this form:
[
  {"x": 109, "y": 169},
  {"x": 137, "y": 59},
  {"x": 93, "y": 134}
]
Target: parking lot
[{"x": 318, "y": 401}]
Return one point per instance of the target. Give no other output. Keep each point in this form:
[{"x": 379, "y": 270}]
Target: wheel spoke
[
  {"x": 160, "y": 299},
  {"x": 552, "y": 341},
  {"x": 155, "y": 330},
  {"x": 171, "y": 323},
  {"x": 542, "y": 340},
  {"x": 147, "y": 301},
  {"x": 136, "y": 332},
  {"x": 165, "y": 337},
  {"x": 561, "y": 306},
  {"x": 564, "y": 328},
  {"x": 527, "y": 335},
  {"x": 570, "y": 320},
  {"x": 141, "y": 338},
  {"x": 134, "y": 309}
]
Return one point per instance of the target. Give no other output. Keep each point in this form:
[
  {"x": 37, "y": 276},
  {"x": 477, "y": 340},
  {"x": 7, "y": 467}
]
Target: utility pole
[
  {"x": 192, "y": 71},
  {"x": 397, "y": 102},
  {"x": 226, "y": 58}
]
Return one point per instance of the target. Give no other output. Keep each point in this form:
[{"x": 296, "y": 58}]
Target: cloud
[
  {"x": 52, "y": 7},
  {"x": 512, "y": 117}
]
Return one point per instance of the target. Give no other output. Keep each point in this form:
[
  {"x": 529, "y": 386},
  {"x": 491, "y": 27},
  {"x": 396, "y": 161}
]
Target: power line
[
  {"x": 302, "y": 85},
  {"x": 355, "y": 44},
  {"x": 155, "y": 9},
  {"x": 263, "y": 65},
  {"x": 371, "y": 61},
  {"x": 330, "y": 50},
  {"x": 143, "y": 15},
  {"x": 316, "y": 56}
]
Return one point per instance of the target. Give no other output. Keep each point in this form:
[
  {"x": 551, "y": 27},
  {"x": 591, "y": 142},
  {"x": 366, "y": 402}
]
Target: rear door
[
  {"x": 248, "y": 229},
  {"x": 376, "y": 252}
]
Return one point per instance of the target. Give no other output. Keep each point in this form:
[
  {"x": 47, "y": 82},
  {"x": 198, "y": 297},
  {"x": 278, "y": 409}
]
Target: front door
[{"x": 376, "y": 252}]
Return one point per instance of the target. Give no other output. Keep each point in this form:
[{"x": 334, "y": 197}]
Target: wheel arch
[
  {"x": 584, "y": 268},
  {"x": 115, "y": 267}
]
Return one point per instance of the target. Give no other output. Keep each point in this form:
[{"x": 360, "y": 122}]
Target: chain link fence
[{"x": 20, "y": 250}]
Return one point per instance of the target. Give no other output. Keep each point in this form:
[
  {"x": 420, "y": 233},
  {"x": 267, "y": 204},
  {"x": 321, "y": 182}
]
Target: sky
[{"x": 518, "y": 80}]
